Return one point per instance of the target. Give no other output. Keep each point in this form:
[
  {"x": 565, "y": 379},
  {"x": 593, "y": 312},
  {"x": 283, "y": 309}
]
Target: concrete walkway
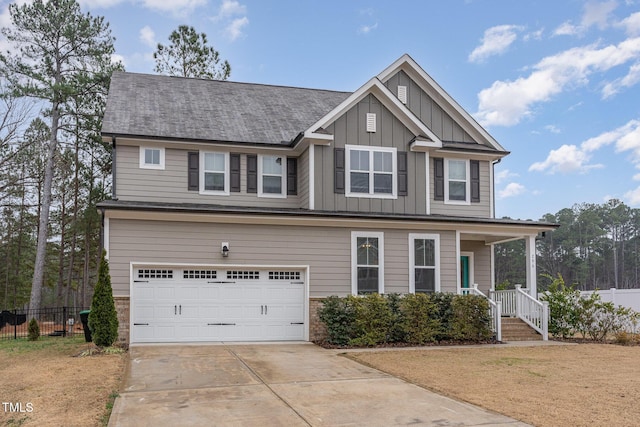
[{"x": 276, "y": 385}]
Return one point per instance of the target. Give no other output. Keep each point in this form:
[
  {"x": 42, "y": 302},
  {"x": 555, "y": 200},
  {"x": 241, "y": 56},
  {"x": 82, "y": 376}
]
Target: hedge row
[{"x": 413, "y": 318}]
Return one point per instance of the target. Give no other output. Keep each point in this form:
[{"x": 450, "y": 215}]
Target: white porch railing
[
  {"x": 495, "y": 307},
  {"x": 518, "y": 303}
]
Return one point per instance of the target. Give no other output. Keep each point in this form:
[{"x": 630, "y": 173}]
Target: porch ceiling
[{"x": 489, "y": 239}]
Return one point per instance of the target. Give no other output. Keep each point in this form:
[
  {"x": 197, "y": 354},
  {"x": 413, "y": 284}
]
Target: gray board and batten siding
[
  {"x": 350, "y": 129},
  {"x": 326, "y": 250}
]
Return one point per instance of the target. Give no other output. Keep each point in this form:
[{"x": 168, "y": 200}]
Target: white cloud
[
  {"x": 366, "y": 29},
  {"x": 232, "y": 14},
  {"x": 631, "y": 24},
  {"x": 595, "y": 14},
  {"x": 633, "y": 196},
  {"x": 632, "y": 78},
  {"x": 148, "y": 36},
  {"x": 115, "y": 58},
  {"x": 230, "y": 8},
  {"x": 496, "y": 41},
  {"x": 505, "y": 103},
  {"x": 504, "y": 175},
  {"x": 552, "y": 129},
  {"x": 534, "y": 35},
  {"x": 176, "y": 7},
  {"x": 511, "y": 190},
  {"x": 95, "y": 4},
  {"x": 571, "y": 158},
  {"x": 234, "y": 29},
  {"x": 566, "y": 159}
]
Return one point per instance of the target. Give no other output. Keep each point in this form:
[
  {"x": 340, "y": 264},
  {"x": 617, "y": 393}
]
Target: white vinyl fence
[{"x": 625, "y": 297}]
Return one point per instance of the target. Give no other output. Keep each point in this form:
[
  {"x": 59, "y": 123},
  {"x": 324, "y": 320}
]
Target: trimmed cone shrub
[
  {"x": 33, "y": 330},
  {"x": 103, "y": 319}
]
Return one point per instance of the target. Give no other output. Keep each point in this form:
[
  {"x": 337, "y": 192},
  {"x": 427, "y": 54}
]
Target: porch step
[{"x": 514, "y": 329}]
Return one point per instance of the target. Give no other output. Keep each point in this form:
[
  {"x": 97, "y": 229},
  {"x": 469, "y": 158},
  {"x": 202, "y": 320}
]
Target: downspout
[
  {"x": 493, "y": 186},
  {"x": 114, "y": 195}
]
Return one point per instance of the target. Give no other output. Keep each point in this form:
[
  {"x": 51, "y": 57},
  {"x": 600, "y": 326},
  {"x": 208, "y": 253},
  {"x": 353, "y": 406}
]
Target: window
[
  {"x": 151, "y": 158},
  {"x": 271, "y": 170},
  {"x": 371, "y": 172},
  {"x": 457, "y": 181},
  {"x": 367, "y": 262},
  {"x": 214, "y": 176},
  {"x": 424, "y": 263}
]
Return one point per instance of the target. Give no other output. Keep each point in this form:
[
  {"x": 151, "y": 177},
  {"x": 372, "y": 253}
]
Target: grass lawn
[
  {"x": 62, "y": 390},
  {"x": 568, "y": 385}
]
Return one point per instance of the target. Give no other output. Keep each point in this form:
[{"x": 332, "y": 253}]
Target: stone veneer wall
[
  {"x": 317, "y": 330},
  {"x": 122, "y": 308}
]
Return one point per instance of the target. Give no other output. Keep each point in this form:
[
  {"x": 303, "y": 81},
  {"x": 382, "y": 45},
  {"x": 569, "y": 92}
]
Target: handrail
[
  {"x": 532, "y": 312},
  {"x": 495, "y": 308}
]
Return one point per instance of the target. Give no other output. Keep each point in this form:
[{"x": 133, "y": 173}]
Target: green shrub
[
  {"x": 373, "y": 320},
  {"x": 471, "y": 318},
  {"x": 420, "y": 321},
  {"x": 103, "y": 318},
  {"x": 396, "y": 332},
  {"x": 338, "y": 317},
  {"x": 444, "y": 312},
  {"x": 33, "y": 330},
  {"x": 563, "y": 307}
]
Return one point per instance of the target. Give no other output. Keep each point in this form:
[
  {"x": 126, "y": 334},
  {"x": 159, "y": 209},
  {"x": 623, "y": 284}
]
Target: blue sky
[{"x": 556, "y": 82}]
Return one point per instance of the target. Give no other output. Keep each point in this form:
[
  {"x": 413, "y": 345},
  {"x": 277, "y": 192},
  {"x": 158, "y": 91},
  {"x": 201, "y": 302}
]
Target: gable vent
[
  {"x": 371, "y": 122},
  {"x": 402, "y": 94}
]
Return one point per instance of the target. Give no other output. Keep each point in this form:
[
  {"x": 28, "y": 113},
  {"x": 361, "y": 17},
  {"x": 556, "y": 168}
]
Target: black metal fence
[{"x": 54, "y": 321}]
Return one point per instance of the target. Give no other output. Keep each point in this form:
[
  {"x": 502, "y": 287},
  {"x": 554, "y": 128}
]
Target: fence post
[
  {"x": 517, "y": 301},
  {"x": 15, "y": 323},
  {"x": 64, "y": 321},
  {"x": 545, "y": 320},
  {"x": 499, "y": 320}
]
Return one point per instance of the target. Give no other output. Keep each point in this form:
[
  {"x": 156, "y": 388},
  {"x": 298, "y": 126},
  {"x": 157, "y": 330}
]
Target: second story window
[
  {"x": 271, "y": 173},
  {"x": 151, "y": 158},
  {"x": 371, "y": 172},
  {"x": 214, "y": 173},
  {"x": 457, "y": 173}
]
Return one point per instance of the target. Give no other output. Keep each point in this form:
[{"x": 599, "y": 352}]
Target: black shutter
[
  {"x": 252, "y": 173},
  {"x": 193, "y": 171},
  {"x": 292, "y": 176},
  {"x": 438, "y": 178},
  {"x": 234, "y": 172},
  {"x": 338, "y": 170},
  {"x": 402, "y": 173},
  {"x": 475, "y": 181}
]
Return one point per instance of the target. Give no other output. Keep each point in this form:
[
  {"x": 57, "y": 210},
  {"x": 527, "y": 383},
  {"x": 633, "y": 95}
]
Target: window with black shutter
[
  {"x": 292, "y": 176},
  {"x": 193, "y": 173},
  {"x": 252, "y": 173},
  {"x": 438, "y": 178},
  {"x": 234, "y": 172}
]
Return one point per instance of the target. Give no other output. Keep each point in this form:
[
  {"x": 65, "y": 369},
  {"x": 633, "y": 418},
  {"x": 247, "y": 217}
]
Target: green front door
[{"x": 464, "y": 274}]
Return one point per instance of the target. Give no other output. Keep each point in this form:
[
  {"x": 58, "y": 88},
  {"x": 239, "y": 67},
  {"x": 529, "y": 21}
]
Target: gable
[{"x": 427, "y": 110}]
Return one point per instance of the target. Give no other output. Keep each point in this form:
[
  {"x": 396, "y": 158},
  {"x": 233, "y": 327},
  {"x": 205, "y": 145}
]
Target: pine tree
[
  {"x": 103, "y": 319},
  {"x": 33, "y": 330}
]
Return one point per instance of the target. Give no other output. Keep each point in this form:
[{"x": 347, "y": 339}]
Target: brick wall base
[
  {"x": 317, "y": 330},
  {"x": 122, "y": 308}
]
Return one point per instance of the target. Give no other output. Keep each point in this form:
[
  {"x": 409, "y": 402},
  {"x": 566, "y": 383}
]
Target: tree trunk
[
  {"x": 41, "y": 248},
  {"x": 59, "y": 291}
]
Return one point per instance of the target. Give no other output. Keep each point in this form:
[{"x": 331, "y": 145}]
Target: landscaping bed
[{"x": 58, "y": 381}]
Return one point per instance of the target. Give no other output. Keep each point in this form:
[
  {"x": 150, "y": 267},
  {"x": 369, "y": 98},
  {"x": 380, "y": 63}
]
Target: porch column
[{"x": 530, "y": 245}]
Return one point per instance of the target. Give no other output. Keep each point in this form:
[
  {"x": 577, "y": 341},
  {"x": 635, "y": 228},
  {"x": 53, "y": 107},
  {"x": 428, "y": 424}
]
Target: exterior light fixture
[{"x": 225, "y": 249}]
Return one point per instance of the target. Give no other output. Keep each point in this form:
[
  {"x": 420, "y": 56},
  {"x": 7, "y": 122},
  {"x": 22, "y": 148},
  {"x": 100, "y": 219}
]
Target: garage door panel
[{"x": 199, "y": 305}]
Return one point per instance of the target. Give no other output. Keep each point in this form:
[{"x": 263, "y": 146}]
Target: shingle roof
[{"x": 212, "y": 110}]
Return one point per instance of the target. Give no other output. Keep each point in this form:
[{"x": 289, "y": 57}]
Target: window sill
[{"x": 372, "y": 196}]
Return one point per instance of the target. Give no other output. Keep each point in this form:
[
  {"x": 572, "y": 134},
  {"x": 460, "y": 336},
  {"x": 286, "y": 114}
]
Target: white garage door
[{"x": 205, "y": 304}]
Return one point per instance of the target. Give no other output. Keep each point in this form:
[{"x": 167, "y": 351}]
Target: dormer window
[{"x": 151, "y": 158}]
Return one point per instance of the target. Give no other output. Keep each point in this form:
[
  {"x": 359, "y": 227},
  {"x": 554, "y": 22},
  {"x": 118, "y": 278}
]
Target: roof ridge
[{"x": 232, "y": 82}]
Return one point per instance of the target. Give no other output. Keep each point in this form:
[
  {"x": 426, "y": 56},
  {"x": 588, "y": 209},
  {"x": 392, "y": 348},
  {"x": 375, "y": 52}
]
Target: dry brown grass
[
  {"x": 568, "y": 385},
  {"x": 64, "y": 390}
]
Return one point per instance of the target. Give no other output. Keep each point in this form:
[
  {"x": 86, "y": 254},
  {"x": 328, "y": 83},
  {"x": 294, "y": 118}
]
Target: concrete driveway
[{"x": 276, "y": 385}]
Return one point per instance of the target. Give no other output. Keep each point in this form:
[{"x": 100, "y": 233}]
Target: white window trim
[
  {"x": 227, "y": 175},
  {"x": 144, "y": 165},
  {"x": 283, "y": 193},
  {"x": 467, "y": 183},
  {"x": 371, "y": 150},
  {"x": 412, "y": 259},
  {"x": 354, "y": 259}
]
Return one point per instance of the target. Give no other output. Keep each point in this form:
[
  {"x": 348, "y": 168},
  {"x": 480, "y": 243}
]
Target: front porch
[{"x": 516, "y": 310}]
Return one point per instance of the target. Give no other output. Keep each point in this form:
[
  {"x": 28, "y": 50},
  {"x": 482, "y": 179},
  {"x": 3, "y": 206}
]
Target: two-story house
[{"x": 237, "y": 207}]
